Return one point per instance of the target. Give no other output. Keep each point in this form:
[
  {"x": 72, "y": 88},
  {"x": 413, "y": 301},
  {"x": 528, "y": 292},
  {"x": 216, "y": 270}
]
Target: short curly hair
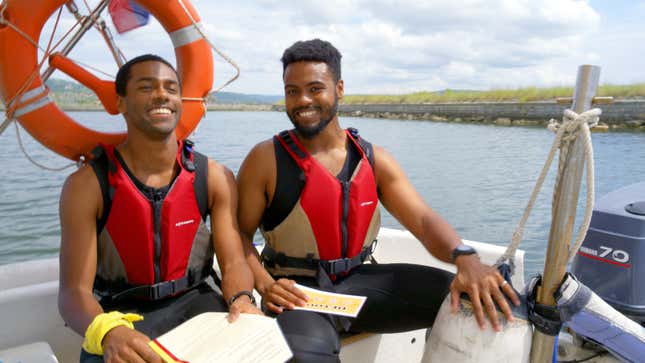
[
  {"x": 123, "y": 75},
  {"x": 314, "y": 50}
]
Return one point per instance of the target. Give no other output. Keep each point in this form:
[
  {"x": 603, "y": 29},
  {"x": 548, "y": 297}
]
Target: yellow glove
[{"x": 101, "y": 325}]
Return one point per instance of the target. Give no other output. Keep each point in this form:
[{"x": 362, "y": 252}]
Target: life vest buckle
[
  {"x": 334, "y": 267},
  {"x": 161, "y": 290},
  {"x": 169, "y": 288}
]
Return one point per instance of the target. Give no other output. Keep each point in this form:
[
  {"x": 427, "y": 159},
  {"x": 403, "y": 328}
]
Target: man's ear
[
  {"x": 120, "y": 104},
  {"x": 340, "y": 88}
]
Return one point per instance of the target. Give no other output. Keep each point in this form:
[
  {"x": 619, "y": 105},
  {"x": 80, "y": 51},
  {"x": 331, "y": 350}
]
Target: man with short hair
[
  {"x": 134, "y": 233},
  {"x": 314, "y": 193}
]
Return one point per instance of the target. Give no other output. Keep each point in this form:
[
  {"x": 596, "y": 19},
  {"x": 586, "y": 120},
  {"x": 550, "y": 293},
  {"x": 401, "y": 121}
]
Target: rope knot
[{"x": 572, "y": 123}]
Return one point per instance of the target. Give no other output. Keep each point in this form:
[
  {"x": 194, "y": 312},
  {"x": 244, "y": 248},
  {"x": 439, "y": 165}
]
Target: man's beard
[{"x": 308, "y": 132}]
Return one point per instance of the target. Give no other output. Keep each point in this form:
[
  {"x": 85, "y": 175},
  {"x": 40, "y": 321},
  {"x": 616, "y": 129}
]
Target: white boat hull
[{"x": 29, "y": 311}]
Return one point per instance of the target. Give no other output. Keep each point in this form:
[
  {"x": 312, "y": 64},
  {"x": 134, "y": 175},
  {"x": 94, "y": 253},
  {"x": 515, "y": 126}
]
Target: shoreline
[
  {"x": 210, "y": 107},
  {"x": 622, "y": 115}
]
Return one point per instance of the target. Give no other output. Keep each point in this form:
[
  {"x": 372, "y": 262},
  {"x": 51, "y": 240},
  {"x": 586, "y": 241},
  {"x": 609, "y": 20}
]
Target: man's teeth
[
  {"x": 306, "y": 113},
  {"x": 163, "y": 111}
]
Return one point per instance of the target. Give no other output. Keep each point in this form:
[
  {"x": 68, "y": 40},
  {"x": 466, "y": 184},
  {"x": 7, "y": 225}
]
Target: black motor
[{"x": 611, "y": 260}]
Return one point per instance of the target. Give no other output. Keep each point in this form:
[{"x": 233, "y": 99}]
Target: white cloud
[{"x": 407, "y": 45}]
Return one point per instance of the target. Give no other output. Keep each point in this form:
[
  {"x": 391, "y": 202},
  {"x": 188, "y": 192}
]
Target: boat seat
[
  {"x": 347, "y": 339},
  {"x": 39, "y": 352}
]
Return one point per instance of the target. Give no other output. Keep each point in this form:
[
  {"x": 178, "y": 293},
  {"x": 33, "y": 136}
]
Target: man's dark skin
[
  {"x": 311, "y": 96},
  {"x": 151, "y": 108}
]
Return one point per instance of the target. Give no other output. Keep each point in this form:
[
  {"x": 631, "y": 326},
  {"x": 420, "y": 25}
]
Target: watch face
[{"x": 464, "y": 249}]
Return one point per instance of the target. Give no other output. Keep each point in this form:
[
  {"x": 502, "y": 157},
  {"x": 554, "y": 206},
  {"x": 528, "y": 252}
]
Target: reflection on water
[{"x": 478, "y": 177}]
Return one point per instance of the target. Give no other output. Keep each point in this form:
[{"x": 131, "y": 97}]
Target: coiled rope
[{"x": 573, "y": 125}]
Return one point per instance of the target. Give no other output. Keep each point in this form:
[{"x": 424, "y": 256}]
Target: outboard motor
[{"x": 611, "y": 260}]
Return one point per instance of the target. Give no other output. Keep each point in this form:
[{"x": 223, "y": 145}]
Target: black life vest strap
[
  {"x": 159, "y": 290},
  {"x": 367, "y": 147},
  {"x": 271, "y": 258},
  {"x": 286, "y": 137},
  {"x": 100, "y": 163},
  {"x": 186, "y": 151},
  {"x": 200, "y": 184}
]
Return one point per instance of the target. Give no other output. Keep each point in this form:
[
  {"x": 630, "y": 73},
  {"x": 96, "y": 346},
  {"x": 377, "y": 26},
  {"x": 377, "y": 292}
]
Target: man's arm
[
  {"x": 80, "y": 205},
  {"x": 236, "y": 275},
  {"x": 482, "y": 283},
  {"x": 256, "y": 183}
]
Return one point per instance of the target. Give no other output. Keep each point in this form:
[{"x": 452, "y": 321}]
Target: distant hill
[{"x": 61, "y": 85}]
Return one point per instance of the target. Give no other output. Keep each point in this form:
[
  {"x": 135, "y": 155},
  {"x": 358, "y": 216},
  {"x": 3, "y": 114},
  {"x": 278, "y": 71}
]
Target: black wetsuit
[{"x": 400, "y": 297}]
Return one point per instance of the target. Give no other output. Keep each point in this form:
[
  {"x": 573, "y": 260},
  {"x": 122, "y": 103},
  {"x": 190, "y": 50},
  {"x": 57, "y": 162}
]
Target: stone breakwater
[
  {"x": 239, "y": 107},
  {"x": 620, "y": 115}
]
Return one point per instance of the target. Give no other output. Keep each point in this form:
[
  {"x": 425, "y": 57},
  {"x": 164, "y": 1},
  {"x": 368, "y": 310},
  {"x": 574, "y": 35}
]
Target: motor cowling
[{"x": 611, "y": 260}]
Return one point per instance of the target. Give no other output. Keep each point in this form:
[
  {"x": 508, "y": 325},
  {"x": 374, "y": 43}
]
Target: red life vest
[
  {"x": 342, "y": 216},
  {"x": 153, "y": 248}
]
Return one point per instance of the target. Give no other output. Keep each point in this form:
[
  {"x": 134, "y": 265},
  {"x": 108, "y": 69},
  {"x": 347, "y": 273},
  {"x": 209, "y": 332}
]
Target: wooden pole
[{"x": 565, "y": 201}]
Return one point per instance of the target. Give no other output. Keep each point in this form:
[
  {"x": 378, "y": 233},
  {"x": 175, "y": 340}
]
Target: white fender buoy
[{"x": 457, "y": 338}]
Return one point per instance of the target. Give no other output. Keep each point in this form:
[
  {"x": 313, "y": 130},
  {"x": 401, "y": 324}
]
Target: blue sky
[{"x": 400, "y": 46}]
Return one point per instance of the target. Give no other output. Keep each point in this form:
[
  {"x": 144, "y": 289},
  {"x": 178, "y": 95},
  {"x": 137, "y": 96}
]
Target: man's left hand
[
  {"x": 484, "y": 284},
  {"x": 242, "y": 305}
]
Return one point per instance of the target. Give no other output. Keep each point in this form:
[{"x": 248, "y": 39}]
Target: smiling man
[
  {"x": 314, "y": 192},
  {"x": 134, "y": 233}
]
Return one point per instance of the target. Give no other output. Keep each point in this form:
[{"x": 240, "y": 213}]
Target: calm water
[{"x": 478, "y": 177}]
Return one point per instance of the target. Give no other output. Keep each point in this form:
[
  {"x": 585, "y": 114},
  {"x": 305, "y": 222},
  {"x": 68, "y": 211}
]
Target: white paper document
[{"x": 209, "y": 337}]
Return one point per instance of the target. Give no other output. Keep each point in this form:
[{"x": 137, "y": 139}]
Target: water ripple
[{"x": 478, "y": 177}]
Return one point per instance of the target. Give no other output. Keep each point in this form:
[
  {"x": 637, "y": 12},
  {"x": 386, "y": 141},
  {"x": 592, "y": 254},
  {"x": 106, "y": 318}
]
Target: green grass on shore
[
  {"x": 504, "y": 95},
  {"x": 87, "y": 101}
]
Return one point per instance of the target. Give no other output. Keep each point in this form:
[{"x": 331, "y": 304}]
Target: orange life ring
[{"x": 52, "y": 127}]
